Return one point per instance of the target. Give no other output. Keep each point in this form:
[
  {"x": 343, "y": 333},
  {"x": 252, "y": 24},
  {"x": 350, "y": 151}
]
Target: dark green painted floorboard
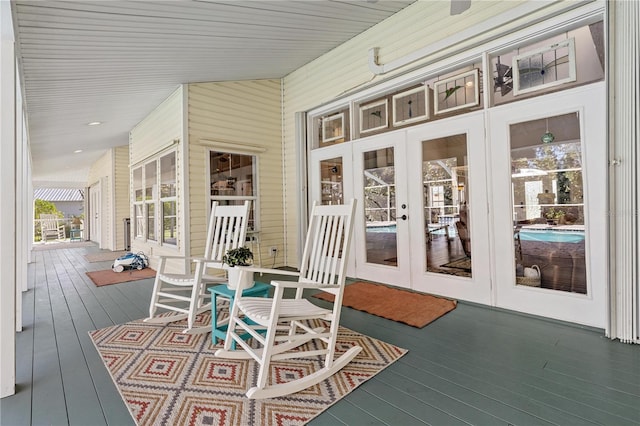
[
  {"x": 421, "y": 409},
  {"x": 475, "y": 365},
  {"x": 20, "y": 412},
  {"x": 348, "y": 414}
]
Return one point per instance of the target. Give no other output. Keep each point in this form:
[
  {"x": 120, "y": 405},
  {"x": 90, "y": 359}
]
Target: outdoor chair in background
[
  {"x": 290, "y": 323},
  {"x": 52, "y": 227},
  {"x": 187, "y": 293}
]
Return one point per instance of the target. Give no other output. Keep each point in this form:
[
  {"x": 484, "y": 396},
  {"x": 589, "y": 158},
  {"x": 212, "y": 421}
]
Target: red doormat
[
  {"x": 108, "y": 277},
  {"x": 415, "y": 309}
]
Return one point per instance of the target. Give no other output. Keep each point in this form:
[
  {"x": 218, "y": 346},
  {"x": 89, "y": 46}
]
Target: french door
[
  {"x": 410, "y": 187},
  {"x": 383, "y": 223},
  {"x": 450, "y": 226},
  {"x": 331, "y": 182},
  {"x": 549, "y": 154},
  {"x": 504, "y": 207}
]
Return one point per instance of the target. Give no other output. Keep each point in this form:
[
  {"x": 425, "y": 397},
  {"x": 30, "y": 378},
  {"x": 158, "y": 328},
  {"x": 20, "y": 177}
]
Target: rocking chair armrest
[{"x": 301, "y": 285}]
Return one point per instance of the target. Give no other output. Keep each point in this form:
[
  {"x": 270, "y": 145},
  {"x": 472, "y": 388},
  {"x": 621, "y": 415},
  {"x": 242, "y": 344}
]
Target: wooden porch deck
[{"x": 476, "y": 365}]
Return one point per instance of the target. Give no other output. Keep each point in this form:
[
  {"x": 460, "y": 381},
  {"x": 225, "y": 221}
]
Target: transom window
[{"x": 558, "y": 62}]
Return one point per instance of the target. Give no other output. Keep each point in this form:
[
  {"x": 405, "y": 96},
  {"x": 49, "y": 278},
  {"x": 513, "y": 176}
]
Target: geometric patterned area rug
[{"x": 169, "y": 378}]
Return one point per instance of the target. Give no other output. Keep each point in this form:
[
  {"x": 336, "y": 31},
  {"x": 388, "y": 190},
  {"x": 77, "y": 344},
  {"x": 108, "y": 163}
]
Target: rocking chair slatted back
[
  {"x": 186, "y": 293},
  {"x": 323, "y": 267},
  {"x": 323, "y": 260},
  {"x": 51, "y": 226},
  {"x": 227, "y": 230}
]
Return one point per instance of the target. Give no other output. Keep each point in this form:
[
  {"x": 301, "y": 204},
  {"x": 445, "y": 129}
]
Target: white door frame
[
  {"x": 95, "y": 212},
  {"x": 398, "y": 275},
  {"x": 342, "y": 150},
  {"x": 590, "y": 309},
  {"x": 477, "y": 288}
]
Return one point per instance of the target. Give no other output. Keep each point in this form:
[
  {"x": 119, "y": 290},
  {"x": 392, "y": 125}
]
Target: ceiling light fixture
[
  {"x": 77, "y": 151},
  {"x": 94, "y": 123},
  {"x": 548, "y": 137}
]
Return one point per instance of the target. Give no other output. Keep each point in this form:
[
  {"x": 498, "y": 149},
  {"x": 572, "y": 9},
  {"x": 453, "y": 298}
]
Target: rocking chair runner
[
  {"x": 323, "y": 267},
  {"x": 186, "y": 293}
]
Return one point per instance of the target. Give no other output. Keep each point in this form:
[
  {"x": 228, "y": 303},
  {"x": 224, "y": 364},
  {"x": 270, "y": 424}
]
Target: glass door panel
[
  {"x": 449, "y": 245},
  {"x": 549, "y": 185},
  {"x": 446, "y": 190},
  {"x": 548, "y": 194},
  {"x": 331, "y": 181},
  {"x": 380, "y": 206},
  {"x": 382, "y": 224}
]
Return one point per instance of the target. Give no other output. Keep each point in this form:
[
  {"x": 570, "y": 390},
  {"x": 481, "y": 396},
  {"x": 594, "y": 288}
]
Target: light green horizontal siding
[
  {"x": 151, "y": 136},
  {"x": 121, "y": 193},
  {"x": 247, "y": 113},
  {"x": 158, "y": 130}
]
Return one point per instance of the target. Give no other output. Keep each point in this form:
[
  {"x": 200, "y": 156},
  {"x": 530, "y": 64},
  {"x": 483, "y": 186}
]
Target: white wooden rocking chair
[
  {"x": 323, "y": 267},
  {"x": 187, "y": 293},
  {"x": 51, "y": 227}
]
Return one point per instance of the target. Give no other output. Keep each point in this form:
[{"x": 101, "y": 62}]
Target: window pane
[
  {"x": 548, "y": 203},
  {"x": 151, "y": 220},
  {"x": 139, "y": 222},
  {"x": 168, "y": 175},
  {"x": 232, "y": 180},
  {"x": 231, "y": 174},
  {"x": 446, "y": 191},
  {"x": 169, "y": 222},
  {"x": 150, "y": 182},
  {"x": 331, "y": 181},
  {"x": 137, "y": 183},
  {"x": 380, "y": 206}
]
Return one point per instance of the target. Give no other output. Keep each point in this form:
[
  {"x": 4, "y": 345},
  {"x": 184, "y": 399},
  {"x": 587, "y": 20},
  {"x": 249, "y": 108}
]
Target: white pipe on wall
[{"x": 497, "y": 22}]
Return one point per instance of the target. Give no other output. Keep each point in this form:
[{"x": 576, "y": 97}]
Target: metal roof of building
[{"x": 58, "y": 194}]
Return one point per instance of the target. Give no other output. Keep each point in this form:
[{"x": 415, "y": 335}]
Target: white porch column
[
  {"x": 624, "y": 132},
  {"x": 8, "y": 205}
]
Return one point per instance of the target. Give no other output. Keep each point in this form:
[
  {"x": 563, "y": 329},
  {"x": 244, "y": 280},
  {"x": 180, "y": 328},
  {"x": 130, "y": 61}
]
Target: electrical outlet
[{"x": 273, "y": 251}]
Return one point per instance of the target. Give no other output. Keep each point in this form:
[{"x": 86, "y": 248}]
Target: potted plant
[
  {"x": 555, "y": 216},
  {"x": 240, "y": 256},
  {"x": 76, "y": 222}
]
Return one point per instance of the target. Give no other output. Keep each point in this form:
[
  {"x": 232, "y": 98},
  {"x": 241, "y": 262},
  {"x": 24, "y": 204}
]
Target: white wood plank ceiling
[{"x": 114, "y": 61}]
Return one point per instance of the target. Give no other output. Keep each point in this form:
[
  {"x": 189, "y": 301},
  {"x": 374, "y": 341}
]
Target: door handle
[{"x": 404, "y": 217}]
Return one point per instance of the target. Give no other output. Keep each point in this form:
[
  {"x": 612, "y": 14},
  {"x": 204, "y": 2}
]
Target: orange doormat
[
  {"x": 107, "y": 276},
  {"x": 415, "y": 309}
]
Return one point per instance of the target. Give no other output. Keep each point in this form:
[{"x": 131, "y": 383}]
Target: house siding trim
[{"x": 624, "y": 133}]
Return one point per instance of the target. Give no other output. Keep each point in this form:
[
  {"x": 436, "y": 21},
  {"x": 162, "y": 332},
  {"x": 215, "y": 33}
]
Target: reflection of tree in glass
[
  {"x": 379, "y": 194},
  {"x": 439, "y": 171},
  {"x": 557, "y": 157}
]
